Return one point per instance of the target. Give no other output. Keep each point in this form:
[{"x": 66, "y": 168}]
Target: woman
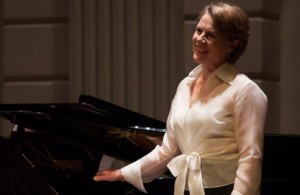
[{"x": 214, "y": 138}]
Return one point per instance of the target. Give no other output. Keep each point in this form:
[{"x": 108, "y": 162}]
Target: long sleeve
[
  {"x": 249, "y": 119},
  {"x": 153, "y": 164}
]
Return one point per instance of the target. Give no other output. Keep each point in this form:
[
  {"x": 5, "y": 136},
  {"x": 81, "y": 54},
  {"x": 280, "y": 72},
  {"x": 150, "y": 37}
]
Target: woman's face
[{"x": 210, "y": 47}]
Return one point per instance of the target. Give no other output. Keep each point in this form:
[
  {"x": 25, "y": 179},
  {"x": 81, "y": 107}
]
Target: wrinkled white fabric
[{"x": 222, "y": 133}]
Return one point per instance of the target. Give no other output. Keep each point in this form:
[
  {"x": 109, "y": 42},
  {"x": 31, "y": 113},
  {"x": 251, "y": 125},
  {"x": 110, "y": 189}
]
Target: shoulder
[{"x": 247, "y": 87}]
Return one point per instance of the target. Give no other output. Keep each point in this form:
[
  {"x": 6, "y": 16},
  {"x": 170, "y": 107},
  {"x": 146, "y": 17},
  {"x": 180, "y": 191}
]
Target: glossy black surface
[
  {"x": 69, "y": 139},
  {"x": 90, "y": 123},
  {"x": 18, "y": 176}
]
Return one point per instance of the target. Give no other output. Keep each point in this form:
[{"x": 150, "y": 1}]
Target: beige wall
[
  {"x": 35, "y": 51},
  {"x": 133, "y": 53}
]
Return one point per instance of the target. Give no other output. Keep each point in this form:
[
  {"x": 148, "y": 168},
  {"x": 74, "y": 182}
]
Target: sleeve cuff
[{"x": 132, "y": 174}]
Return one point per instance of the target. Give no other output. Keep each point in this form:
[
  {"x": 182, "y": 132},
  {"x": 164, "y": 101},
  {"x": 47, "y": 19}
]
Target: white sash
[{"x": 187, "y": 169}]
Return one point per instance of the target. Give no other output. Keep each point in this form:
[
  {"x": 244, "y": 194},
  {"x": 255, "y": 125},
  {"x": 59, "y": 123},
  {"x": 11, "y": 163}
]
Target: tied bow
[{"x": 187, "y": 169}]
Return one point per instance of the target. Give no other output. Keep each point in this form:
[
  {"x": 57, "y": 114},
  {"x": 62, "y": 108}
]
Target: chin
[{"x": 196, "y": 59}]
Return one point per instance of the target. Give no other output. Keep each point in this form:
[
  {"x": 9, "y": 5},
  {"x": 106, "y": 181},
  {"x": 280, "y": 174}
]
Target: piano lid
[{"x": 91, "y": 123}]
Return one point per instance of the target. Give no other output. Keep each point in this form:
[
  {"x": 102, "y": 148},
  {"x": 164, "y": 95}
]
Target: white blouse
[{"x": 215, "y": 142}]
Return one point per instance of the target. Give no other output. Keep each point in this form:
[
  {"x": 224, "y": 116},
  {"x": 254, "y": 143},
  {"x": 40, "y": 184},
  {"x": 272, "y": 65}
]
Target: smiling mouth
[{"x": 202, "y": 51}]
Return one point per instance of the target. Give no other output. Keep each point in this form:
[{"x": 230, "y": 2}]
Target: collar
[{"x": 225, "y": 72}]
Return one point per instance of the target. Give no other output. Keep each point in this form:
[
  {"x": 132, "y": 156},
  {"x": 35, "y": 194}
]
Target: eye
[
  {"x": 210, "y": 35},
  {"x": 198, "y": 30}
]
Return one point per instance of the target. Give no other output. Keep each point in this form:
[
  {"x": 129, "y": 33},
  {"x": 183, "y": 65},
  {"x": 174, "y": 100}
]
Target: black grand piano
[{"x": 57, "y": 148}]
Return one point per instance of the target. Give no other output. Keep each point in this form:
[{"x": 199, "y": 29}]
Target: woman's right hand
[{"x": 109, "y": 175}]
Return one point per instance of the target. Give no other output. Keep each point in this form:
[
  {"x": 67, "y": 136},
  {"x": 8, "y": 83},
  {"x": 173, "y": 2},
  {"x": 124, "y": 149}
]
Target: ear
[{"x": 233, "y": 45}]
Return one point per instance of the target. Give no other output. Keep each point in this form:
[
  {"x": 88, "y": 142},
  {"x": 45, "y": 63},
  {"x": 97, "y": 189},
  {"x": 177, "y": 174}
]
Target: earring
[{"x": 228, "y": 56}]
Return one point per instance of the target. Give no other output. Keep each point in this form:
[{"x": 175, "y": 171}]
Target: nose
[{"x": 201, "y": 38}]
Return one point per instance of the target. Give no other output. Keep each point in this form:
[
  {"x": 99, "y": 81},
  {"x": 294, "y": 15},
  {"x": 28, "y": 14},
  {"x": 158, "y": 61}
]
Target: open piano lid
[
  {"x": 68, "y": 141},
  {"x": 91, "y": 123}
]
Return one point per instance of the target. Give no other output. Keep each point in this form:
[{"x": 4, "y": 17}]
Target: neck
[{"x": 206, "y": 71}]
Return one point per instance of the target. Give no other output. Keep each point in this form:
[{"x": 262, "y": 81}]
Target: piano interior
[{"x": 58, "y": 148}]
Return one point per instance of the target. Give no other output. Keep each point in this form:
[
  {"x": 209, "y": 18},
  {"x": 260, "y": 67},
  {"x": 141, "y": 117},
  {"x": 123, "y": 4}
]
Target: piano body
[{"x": 56, "y": 149}]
